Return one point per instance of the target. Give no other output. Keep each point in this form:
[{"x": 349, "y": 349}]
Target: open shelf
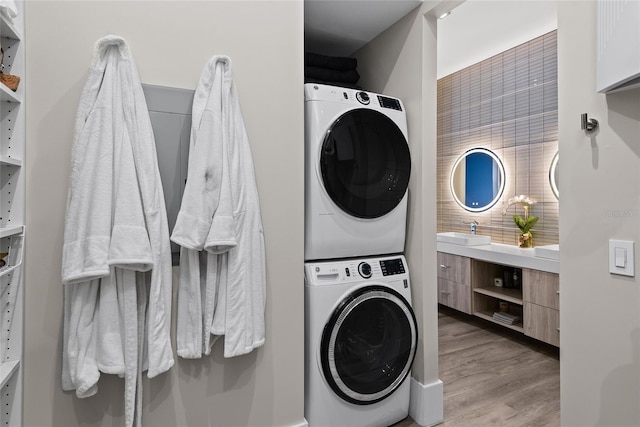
[
  {"x": 12, "y": 219},
  {"x": 489, "y": 316},
  {"x": 7, "y": 369},
  {"x": 15, "y": 254},
  {"x": 10, "y": 161},
  {"x": 10, "y": 231},
  {"x": 8, "y": 30},
  {"x": 505, "y": 294},
  {"x": 7, "y": 95}
]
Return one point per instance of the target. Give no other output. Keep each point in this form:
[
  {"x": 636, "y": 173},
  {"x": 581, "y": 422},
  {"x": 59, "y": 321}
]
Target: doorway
[{"x": 497, "y": 90}]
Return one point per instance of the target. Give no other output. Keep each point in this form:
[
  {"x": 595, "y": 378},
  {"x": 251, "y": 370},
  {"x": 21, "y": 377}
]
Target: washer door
[
  {"x": 368, "y": 345},
  {"x": 365, "y": 163}
]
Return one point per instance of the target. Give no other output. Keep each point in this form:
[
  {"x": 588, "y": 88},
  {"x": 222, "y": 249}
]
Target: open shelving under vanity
[{"x": 502, "y": 284}]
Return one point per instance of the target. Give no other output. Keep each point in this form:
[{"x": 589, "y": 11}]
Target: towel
[
  {"x": 8, "y": 9},
  {"x": 116, "y": 266},
  {"x": 327, "y": 74},
  {"x": 223, "y": 286},
  {"x": 331, "y": 62}
]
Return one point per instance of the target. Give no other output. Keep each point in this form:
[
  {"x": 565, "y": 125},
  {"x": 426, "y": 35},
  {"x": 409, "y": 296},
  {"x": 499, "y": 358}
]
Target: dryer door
[
  {"x": 365, "y": 163},
  {"x": 368, "y": 345}
]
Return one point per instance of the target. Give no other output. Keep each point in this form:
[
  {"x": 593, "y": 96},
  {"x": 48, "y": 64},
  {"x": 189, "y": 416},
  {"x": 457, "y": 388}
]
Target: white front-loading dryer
[
  {"x": 360, "y": 341},
  {"x": 357, "y": 169}
]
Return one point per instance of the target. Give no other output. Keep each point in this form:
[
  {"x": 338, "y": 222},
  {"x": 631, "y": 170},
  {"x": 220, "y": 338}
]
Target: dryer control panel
[{"x": 386, "y": 102}]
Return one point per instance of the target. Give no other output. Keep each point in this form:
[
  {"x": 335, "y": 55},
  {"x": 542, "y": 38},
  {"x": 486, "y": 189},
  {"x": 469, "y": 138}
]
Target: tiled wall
[{"x": 508, "y": 104}]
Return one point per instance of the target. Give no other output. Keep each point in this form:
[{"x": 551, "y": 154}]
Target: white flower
[{"x": 519, "y": 200}]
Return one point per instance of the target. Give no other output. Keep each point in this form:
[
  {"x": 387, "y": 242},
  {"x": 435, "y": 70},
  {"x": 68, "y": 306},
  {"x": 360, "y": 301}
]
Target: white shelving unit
[{"x": 12, "y": 221}]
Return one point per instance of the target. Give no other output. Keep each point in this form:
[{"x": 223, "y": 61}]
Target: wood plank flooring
[{"x": 493, "y": 376}]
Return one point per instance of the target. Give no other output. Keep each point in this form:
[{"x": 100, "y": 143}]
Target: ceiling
[{"x": 341, "y": 27}]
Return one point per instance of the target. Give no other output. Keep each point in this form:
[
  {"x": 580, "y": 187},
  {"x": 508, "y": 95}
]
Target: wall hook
[{"x": 589, "y": 124}]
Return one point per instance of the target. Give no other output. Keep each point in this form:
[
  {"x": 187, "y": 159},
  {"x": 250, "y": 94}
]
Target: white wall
[
  {"x": 478, "y": 29},
  {"x": 600, "y": 175},
  {"x": 171, "y": 42}
]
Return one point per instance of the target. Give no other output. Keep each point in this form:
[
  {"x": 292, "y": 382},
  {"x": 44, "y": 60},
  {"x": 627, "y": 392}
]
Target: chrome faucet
[{"x": 472, "y": 225}]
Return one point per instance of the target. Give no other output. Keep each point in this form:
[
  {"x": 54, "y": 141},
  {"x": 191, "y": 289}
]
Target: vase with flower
[{"x": 524, "y": 223}]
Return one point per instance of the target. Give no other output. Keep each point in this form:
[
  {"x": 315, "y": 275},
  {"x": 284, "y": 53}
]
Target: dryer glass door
[
  {"x": 368, "y": 345},
  {"x": 365, "y": 163}
]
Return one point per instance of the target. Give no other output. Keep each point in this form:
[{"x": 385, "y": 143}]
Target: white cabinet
[
  {"x": 12, "y": 221},
  {"x": 618, "y": 45}
]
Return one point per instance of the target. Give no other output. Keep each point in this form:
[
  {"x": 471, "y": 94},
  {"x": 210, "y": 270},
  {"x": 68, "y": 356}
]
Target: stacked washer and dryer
[{"x": 360, "y": 329}]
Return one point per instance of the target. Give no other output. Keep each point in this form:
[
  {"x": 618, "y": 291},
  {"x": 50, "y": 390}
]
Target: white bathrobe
[
  {"x": 116, "y": 266},
  {"x": 222, "y": 289}
]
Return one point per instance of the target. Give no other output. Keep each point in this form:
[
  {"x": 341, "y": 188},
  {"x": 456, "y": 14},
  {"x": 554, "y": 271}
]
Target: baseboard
[
  {"x": 427, "y": 403},
  {"x": 304, "y": 423}
]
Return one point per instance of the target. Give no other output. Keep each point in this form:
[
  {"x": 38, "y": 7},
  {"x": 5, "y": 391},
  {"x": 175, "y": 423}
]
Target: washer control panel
[{"x": 356, "y": 270}]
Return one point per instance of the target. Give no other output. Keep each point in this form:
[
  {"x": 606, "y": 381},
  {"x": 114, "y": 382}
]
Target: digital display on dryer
[
  {"x": 390, "y": 267},
  {"x": 389, "y": 103}
]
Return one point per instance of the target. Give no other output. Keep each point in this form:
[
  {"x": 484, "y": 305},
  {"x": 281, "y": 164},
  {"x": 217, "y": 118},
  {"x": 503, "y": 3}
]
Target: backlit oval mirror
[
  {"x": 477, "y": 180},
  {"x": 554, "y": 175}
]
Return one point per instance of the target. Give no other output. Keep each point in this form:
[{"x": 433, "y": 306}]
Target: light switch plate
[{"x": 621, "y": 257}]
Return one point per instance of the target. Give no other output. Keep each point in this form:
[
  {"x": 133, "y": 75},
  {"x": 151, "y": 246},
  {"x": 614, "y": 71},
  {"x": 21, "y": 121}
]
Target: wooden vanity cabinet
[
  {"x": 454, "y": 280},
  {"x": 467, "y": 284},
  {"x": 541, "y": 296}
]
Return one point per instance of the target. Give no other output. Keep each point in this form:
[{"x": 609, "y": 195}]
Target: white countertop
[{"x": 502, "y": 254}]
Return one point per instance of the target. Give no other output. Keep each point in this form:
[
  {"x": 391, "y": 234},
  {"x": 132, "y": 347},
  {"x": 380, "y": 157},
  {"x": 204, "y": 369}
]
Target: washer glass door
[
  {"x": 365, "y": 163},
  {"x": 368, "y": 345}
]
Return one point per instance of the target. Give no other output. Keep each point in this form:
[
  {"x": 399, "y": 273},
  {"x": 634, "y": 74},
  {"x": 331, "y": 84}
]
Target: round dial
[
  {"x": 365, "y": 270},
  {"x": 363, "y": 97}
]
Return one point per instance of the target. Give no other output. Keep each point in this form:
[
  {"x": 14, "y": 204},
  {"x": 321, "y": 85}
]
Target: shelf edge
[
  {"x": 11, "y": 231},
  {"x": 7, "y": 95},
  {"x": 10, "y": 161},
  {"x": 12, "y": 32},
  {"x": 7, "y": 369},
  {"x": 490, "y": 319},
  {"x": 493, "y": 294}
]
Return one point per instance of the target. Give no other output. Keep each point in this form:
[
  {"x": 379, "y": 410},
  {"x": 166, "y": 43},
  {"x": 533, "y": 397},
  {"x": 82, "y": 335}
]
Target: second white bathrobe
[{"x": 222, "y": 289}]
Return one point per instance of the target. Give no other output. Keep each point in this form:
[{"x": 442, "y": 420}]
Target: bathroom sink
[
  {"x": 463, "y": 239},
  {"x": 548, "y": 251}
]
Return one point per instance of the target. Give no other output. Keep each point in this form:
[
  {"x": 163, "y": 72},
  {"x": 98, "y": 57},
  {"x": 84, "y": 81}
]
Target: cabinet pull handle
[
  {"x": 558, "y": 292},
  {"x": 558, "y": 329},
  {"x": 444, "y": 266},
  {"x": 446, "y": 293}
]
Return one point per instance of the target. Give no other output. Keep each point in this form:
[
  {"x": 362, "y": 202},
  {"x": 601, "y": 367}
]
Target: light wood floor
[{"x": 494, "y": 377}]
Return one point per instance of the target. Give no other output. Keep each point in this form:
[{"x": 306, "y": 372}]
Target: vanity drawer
[
  {"x": 454, "y": 295},
  {"x": 454, "y": 267},
  {"x": 542, "y": 323},
  {"x": 541, "y": 287}
]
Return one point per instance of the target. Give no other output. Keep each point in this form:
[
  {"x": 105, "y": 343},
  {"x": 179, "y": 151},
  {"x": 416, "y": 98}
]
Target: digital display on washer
[
  {"x": 389, "y": 103},
  {"x": 390, "y": 267}
]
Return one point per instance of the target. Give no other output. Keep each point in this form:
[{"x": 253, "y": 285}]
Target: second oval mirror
[
  {"x": 554, "y": 175},
  {"x": 477, "y": 180}
]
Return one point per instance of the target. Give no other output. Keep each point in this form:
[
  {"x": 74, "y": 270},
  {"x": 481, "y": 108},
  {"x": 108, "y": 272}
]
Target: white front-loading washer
[
  {"x": 357, "y": 168},
  {"x": 360, "y": 341}
]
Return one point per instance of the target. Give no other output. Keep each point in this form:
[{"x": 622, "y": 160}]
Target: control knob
[
  {"x": 363, "y": 97},
  {"x": 365, "y": 270}
]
